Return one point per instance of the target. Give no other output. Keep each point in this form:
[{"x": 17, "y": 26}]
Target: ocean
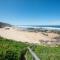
[{"x": 49, "y": 27}]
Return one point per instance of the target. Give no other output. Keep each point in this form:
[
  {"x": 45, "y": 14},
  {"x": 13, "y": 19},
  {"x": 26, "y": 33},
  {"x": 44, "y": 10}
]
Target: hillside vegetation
[
  {"x": 4, "y": 25},
  {"x": 45, "y": 52},
  {"x": 11, "y": 50}
]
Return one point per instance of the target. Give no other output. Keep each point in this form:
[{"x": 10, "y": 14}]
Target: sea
[{"x": 48, "y": 27}]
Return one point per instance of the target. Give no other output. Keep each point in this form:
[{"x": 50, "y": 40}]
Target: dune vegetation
[
  {"x": 45, "y": 52},
  {"x": 12, "y": 50}
]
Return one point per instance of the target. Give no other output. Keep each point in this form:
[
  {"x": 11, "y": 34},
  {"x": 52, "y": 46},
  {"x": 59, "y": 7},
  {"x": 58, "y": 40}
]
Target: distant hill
[{"x": 2, "y": 24}]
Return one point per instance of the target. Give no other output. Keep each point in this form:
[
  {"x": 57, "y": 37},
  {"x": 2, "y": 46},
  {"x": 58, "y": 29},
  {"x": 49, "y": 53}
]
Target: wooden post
[{"x": 33, "y": 54}]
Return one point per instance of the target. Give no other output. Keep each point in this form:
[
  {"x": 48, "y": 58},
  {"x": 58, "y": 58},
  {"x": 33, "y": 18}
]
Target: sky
[{"x": 30, "y": 12}]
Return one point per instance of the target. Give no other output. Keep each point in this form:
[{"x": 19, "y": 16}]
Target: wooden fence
[{"x": 34, "y": 56}]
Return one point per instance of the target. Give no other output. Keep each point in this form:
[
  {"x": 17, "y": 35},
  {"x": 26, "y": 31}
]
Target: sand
[{"x": 25, "y": 36}]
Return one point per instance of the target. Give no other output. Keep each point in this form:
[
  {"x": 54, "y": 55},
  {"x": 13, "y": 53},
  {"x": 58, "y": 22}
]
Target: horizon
[
  {"x": 30, "y": 12},
  {"x": 29, "y": 25}
]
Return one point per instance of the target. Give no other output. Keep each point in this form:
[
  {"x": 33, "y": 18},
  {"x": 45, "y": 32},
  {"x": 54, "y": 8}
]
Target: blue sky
[{"x": 30, "y": 12}]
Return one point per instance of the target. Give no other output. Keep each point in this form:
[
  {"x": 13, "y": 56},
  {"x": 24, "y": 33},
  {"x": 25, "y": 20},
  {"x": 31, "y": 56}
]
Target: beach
[{"x": 25, "y": 36}]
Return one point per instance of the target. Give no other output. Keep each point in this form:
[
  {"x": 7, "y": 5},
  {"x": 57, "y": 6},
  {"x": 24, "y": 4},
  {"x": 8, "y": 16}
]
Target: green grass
[
  {"x": 11, "y": 50},
  {"x": 46, "y": 53}
]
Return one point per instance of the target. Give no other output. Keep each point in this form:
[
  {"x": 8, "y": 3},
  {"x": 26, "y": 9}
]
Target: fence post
[{"x": 35, "y": 57}]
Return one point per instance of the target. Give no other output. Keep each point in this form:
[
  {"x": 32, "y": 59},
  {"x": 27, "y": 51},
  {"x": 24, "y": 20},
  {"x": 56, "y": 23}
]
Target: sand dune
[{"x": 25, "y": 36}]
